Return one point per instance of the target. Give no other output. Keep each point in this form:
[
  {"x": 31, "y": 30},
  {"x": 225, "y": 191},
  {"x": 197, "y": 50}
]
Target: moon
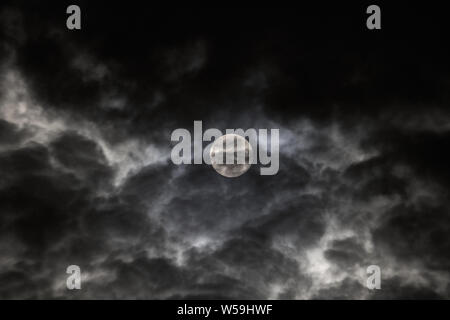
[{"x": 220, "y": 148}]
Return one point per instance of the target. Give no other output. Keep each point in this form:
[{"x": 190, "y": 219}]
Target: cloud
[{"x": 86, "y": 178}]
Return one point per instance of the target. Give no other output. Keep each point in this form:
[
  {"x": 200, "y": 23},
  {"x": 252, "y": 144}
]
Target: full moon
[{"x": 230, "y": 145}]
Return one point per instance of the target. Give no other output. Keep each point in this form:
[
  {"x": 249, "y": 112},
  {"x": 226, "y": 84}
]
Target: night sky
[{"x": 86, "y": 177}]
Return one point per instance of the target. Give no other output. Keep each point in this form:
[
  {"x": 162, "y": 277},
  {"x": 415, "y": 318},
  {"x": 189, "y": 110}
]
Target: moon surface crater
[{"x": 230, "y": 155}]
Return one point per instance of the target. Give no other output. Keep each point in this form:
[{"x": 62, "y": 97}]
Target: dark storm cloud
[
  {"x": 86, "y": 177},
  {"x": 9, "y": 134},
  {"x": 54, "y": 214},
  {"x": 345, "y": 251},
  {"x": 417, "y": 232}
]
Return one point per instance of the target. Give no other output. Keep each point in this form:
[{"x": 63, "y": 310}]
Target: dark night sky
[{"x": 86, "y": 176}]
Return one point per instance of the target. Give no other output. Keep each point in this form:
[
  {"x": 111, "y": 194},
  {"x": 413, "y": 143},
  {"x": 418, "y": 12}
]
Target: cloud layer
[{"x": 86, "y": 176}]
